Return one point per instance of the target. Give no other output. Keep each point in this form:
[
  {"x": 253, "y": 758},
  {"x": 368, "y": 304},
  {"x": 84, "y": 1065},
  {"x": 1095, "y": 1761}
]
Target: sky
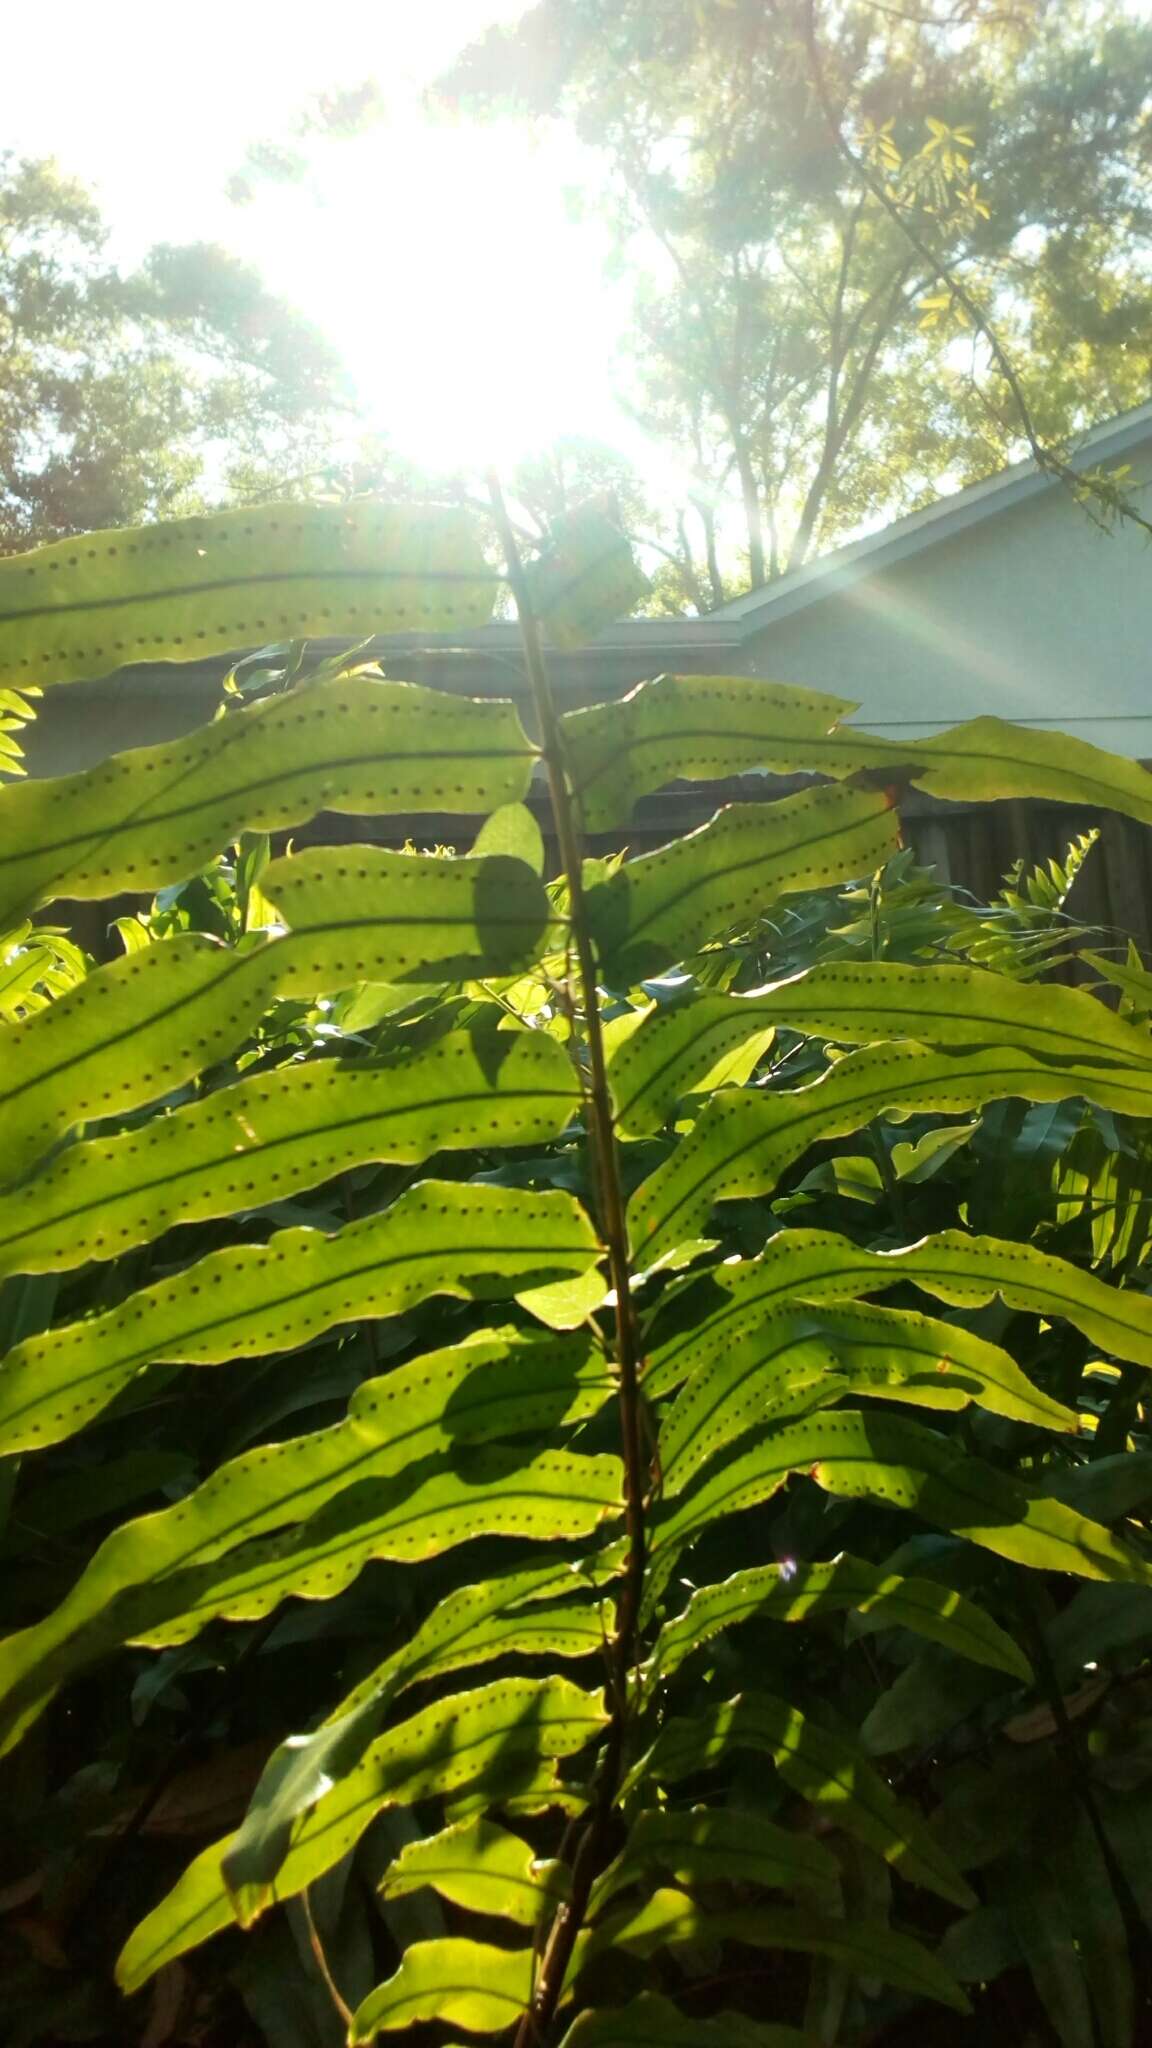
[
  {"x": 402, "y": 246},
  {"x": 471, "y": 309}
]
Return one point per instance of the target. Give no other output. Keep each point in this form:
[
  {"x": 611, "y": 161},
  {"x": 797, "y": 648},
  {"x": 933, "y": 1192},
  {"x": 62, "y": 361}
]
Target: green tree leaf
[
  {"x": 512, "y": 830},
  {"x": 1126, "y": 975},
  {"x": 273, "y": 1134},
  {"x": 1096, "y": 1620},
  {"x": 1030, "y": 1896},
  {"x": 411, "y": 918},
  {"x": 355, "y": 744},
  {"x": 192, "y": 587},
  {"x": 498, "y": 1491},
  {"x": 1108, "y": 1489}
]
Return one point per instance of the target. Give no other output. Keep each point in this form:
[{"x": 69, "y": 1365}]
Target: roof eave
[{"x": 893, "y": 544}]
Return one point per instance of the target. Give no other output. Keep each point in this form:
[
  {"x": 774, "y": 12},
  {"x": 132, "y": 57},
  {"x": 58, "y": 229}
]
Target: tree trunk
[{"x": 750, "y": 493}]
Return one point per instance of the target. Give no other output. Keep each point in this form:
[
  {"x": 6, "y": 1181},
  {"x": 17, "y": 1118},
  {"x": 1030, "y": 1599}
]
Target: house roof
[
  {"x": 917, "y": 531},
  {"x": 730, "y": 625}
]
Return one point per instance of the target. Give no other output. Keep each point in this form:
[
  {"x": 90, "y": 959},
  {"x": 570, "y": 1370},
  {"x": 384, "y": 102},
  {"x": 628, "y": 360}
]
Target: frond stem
[{"x": 591, "y": 1852}]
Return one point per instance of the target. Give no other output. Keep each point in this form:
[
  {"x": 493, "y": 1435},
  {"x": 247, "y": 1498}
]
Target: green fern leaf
[
  {"x": 355, "y": 744},
  {"x": 797, "y": 1360},
  {"x": 662, "y": 907},
  {"x": 190, "y": 587},
  {"x": 898, "y": 1464},
  {"x": 719, "y": 1846},
  {"x": 671, "y": 1920},
  {"x": 710, "y": 726},
  {"x": 480, "y": 1866},
  {"x": 469, "y": 1984},
  {"x": 707, "y": 1043},
  {"x": 484, "y": 1736},
  {"x": 364, "y": 915},
  {"x": 702, "y": 727},
  {"x": 854, "y": 1001},
  {"x": 791, "y": 1592},
  {"x": 830, "y": 1773},
  {"x": 506, "y": 1615},
  {"x": 654, "y": 2021},
  {"x": 967, "y": 1272},
  {"x": 439, "y": 1237},
  {"x": 276, "y": 1133},
  {"x": 744, "y": 1140}
]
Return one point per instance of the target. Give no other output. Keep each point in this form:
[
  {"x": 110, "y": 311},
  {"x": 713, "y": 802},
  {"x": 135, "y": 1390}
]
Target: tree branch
[{"x": 1050, "y": 460}]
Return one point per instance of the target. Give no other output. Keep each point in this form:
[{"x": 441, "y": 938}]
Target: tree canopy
[
  {"x": 131, "y": 395},
  {"x": 788, "y": 184}
]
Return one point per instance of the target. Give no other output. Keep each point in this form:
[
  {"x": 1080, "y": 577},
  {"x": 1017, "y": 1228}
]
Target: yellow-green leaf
[
  {"x": 481, "y": 1866},
  {"x": 260, "y": 573},
  {"x": 663, "y": 906},
  {"x": 496, "y": 1731},
  {"x": 898, "y": 1464},
  {"x": 356, "y": 744},
  {"x": 137, "y": 1029},
  {"x": 439, "y": 1237},
  {"x": 968, "y": 1272},
  {"x": 468, "y": 1984},
  {"x": 710, "y": 726},
  {"x": 273, "y": 1134},
  {"x": 745, "y": 1139},
  {"x": 791, "y": 1592},
  {"x": 653, "y": 2022},
  {"x": 301, "y": 1517},
  {"x": 672, "y": 1920},
  {"x": 719, "y": 1845},
  {"x": 703, "y": 727},
  {"x": 853, "y": 1001},
  {"x": 694, "y": 1047}
]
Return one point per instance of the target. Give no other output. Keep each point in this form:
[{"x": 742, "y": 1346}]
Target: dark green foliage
[{"x": 403, "y": 1636}]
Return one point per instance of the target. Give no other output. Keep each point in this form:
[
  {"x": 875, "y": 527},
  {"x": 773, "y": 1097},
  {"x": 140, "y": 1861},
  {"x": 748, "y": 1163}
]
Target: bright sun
[
  {"x": 441, "y": 258},
  {"x": 470, "y": 308}
]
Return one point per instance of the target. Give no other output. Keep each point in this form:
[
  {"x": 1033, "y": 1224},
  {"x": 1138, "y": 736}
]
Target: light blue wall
[{"x": 1032, "y": 614}]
